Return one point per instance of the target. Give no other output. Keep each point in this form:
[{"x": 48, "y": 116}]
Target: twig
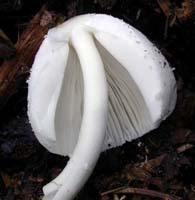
[
  {"x": 166, "y": 28},
  {"x": 113, "y": 190},
  {"x": 184, "y": 147},
  {"x": 165, "y": 6},
  {"x": 138, "y": 14},
  {"x": 146, "y": 192}
]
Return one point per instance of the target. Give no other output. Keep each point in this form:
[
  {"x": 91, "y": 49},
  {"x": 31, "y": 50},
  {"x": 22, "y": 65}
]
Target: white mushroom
[{"x": 96, "y": 82}]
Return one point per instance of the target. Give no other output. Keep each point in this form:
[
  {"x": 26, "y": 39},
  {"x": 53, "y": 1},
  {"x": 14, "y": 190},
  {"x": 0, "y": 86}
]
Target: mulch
[{"x": 161, "y": 164}]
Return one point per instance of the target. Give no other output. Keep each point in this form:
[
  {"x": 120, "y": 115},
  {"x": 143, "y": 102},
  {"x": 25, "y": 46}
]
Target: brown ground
[{"x": 160, "y": 164}]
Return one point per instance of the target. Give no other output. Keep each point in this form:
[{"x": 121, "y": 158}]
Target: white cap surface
[{"x": 141, "y": 85}]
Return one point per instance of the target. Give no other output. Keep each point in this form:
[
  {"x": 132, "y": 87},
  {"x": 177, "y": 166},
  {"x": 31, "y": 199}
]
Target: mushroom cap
[{"x": 141, "y": 84}]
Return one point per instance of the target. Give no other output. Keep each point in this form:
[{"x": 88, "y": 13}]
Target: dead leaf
[
  {"x": 173, "y": 12},
  {"x": 46, "y": 18},
  {"x": 143, "y": 171},
  {"x": 186, "y": 11},
  {"x": 6, "y": 179}
]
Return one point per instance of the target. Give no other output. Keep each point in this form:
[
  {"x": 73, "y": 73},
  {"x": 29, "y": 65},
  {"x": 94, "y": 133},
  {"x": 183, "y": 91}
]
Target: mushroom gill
[{"x": 96, "y": 82}]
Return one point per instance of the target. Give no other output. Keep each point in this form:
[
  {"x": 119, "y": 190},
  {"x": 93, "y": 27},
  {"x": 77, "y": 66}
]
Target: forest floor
[{"x": 159, "y": 165}]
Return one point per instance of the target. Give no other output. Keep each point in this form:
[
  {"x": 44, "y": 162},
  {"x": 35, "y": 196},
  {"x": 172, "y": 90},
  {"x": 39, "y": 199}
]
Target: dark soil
[{"x": 163, "y": 160}]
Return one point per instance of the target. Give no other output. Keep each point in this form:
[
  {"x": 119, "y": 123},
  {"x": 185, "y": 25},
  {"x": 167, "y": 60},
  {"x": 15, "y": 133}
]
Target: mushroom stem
[{"x": 93, "y": 126}]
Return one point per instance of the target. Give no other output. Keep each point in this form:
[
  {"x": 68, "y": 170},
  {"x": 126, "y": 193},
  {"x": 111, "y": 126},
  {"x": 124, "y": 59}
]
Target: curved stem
[{"x": 93, "y": 127}]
